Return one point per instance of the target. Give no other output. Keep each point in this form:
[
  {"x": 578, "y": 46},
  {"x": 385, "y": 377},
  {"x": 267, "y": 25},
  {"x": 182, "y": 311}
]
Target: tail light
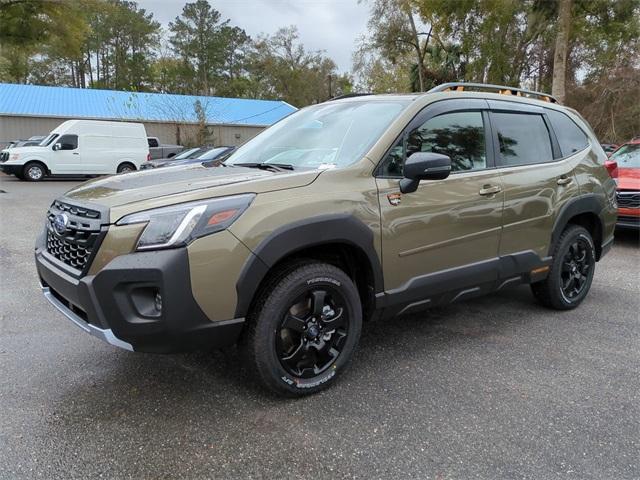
[
  {"x": 612, "y": 168},
  {"x": 148, "y": 157}
]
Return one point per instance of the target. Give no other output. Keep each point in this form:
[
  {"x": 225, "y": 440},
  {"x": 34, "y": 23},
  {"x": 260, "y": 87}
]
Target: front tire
[
  {"x": 126, "y": 168},
  {"x": 571, "y": 272},
  {"x": 303, "y": 330},
  {"x": 33, "y": 172}
]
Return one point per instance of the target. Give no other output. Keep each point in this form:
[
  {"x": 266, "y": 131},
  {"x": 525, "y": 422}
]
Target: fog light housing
[
  {"x": 147, "y": 302},
  {"x": 158, "y": 302}
]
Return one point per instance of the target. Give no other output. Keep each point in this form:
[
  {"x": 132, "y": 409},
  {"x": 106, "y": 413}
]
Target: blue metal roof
[{"x": 35, "y": 100}]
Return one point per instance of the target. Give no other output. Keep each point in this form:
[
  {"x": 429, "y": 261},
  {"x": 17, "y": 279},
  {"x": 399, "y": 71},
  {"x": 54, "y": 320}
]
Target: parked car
[
  {"x": 627, "y": 158},
  {"x": 608, "y": 148},
  {"x": 80, "y": 147},
  {"x": 180, "y": 156},
  {"x": 390, "y": 204},
  {"x": 159, "y": 150},
  {"x": 206, "y": 154}
]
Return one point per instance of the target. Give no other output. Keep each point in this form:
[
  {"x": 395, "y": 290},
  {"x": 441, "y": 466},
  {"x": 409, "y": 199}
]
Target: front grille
[
  {"x": 4, "y": 156},
  {"x": 628, "y": 199},
  {"x": 75, "y": 246}
]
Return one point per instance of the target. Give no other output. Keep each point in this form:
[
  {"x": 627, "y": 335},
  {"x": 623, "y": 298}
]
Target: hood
[
  {"x": 24, "y": 150},
  {"x": 165, "y": 184},
  {"x": 629, "y": 178}
]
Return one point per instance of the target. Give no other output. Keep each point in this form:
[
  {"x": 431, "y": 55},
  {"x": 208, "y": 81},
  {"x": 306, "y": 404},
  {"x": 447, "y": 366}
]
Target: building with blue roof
[{"x": 27, "y": 110}]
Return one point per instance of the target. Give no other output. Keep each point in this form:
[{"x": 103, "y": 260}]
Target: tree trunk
[
  {"x": 420, "y": 57},
  {"x": 562, "y": 47}
]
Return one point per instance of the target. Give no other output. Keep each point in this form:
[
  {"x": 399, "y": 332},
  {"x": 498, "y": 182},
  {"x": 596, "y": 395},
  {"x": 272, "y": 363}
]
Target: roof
[{"x": 64, "y": 102}]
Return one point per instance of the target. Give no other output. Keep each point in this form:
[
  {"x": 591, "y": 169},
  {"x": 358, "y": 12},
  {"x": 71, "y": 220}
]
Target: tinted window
[
  {"x": 570, "y": 137},
  {"x": 523, "y": 138},
  {"x": 68, "y": 142},
  {"x": 152, "y": 142},
  {"x": 459, "y": 135}
]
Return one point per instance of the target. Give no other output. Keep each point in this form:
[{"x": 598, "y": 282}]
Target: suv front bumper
[{"x": 119, "y": 305}]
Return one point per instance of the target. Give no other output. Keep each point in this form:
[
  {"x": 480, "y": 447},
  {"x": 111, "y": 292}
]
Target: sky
[{"x": 330, "y": 25}]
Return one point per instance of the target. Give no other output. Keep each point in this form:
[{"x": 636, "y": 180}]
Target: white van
[{"x": 80, "y": 147}]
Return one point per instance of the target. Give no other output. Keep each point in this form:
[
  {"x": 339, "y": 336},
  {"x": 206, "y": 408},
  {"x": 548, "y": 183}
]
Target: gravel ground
[{"x": 497, "y": 387}]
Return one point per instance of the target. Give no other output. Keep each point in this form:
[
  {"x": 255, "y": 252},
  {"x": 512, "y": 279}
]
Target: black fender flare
[
  {"x": 296, "y": 236},
  {"x": 586, "y": 203}
]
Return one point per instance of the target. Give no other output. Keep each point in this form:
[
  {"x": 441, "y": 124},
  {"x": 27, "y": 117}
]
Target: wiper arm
[{"x": 266, "y": 166}]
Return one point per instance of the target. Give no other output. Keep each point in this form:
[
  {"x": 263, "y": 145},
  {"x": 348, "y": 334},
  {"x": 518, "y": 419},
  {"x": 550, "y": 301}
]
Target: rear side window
[
  {"x": 523, "y": 138},
  {"x": 570, "y": 137},
  {"x": 152, "y": 142}
]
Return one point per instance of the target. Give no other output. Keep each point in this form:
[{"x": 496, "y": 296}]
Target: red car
[{"x": 628, "y": 159}]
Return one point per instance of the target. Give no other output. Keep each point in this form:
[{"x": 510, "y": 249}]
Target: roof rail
[
  {"x": 504, "y": 90},
  {"x": 349, "y": 95}
]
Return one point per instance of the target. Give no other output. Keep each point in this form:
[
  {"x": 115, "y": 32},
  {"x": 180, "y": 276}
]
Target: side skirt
[{"x": 461, "y": 283}]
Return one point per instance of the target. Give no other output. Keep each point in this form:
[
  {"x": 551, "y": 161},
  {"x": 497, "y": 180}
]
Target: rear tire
[
  {"x": 33, "y": 172},
  {"x": 126, "y": 167},
  {"x": 290, "y": 343},
  {"x": 571, "y": 272}
]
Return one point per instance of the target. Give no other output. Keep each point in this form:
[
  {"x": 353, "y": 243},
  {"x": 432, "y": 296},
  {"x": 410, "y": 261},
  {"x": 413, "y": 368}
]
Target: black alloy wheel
[
  {"x": 571, "y": 270},
  {"x": 303, "y": 329},
  {"x": 313, "y": 332},
  {"x": 575, "y": 268}
]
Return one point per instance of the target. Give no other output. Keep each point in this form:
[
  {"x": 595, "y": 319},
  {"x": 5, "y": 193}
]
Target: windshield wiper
[{"x": 265, "y": 166}]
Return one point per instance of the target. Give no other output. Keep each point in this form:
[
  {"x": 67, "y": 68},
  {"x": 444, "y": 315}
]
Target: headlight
[
  {"x": 178, "y": 225},
  {"x": 14, "y": 156}
]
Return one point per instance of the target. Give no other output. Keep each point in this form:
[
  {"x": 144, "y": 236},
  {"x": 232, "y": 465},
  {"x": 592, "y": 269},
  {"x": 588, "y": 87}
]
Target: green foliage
[
  {"x": 511, "y": 42},
  {"x": 280, "y": 67}
]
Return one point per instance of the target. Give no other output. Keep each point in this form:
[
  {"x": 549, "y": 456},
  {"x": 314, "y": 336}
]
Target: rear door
[
  {"x": 538, "y": 180},
  {"x": 445, "y": 235}
]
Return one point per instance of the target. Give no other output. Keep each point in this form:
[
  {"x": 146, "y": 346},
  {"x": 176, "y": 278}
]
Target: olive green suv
[{"x": 360, "y": 207}]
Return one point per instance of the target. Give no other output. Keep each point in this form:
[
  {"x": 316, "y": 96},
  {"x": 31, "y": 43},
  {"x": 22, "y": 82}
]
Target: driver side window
[
  {"x": 459, "y": 135},
  {"x": 68, "y": 142}
]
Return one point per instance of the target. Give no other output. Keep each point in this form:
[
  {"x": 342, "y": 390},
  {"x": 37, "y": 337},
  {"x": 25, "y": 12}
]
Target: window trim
[
  {"x": 443, "y": 107},
  {"x": 556, "y": 154}
]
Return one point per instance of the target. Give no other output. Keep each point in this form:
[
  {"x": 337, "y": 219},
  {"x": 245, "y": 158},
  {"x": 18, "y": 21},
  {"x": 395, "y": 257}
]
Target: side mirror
[
  {"x": 424, "y": 166},
  {"x": 57, "y": 146}
]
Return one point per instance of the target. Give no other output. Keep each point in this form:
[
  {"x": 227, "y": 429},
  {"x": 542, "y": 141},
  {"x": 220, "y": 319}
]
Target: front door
[
  {"x": 66, "y": 156},
  {"x": 445, "y": 235}
]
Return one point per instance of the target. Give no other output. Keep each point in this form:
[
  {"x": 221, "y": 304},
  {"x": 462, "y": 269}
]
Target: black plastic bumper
[
  {"x": 628, "y": 222},
  {"x": 120, "y": 303},
  {"x": 10, "y": 169}
]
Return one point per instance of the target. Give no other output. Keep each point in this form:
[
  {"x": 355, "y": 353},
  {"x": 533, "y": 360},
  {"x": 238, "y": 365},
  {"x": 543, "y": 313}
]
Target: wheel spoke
[
  {"x": 574, "y": 250},
  {"x": 294, "y": 323},
  {"x": 334, "y": 322},
  {"x": 566, "y": 285},
  {"x": 318, "y": 298},
  {"x": 297, "y": 355}
]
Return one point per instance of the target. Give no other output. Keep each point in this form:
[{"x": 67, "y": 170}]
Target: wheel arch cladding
[
  {"x": 584, "y": 210},
  {"x": 296, "y": 237}
]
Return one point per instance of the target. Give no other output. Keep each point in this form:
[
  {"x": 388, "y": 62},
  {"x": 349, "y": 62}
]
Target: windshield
[
  {"x": 185, "y": 154},
  {"x": 321, "y": 136},
  {"x": 48, "y": 139},
  {"x": 628, "y": 156}
]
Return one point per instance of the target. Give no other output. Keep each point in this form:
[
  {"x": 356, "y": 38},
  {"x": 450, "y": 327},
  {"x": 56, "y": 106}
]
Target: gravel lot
[{"x": 493, "y": 388}]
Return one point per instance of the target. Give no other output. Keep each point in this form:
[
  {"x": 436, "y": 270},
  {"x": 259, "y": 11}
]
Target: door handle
[
  {"x": 76, "y": 153},
  {"x": 564, "y": 180},
  {"x": 490, "y": 190}
]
